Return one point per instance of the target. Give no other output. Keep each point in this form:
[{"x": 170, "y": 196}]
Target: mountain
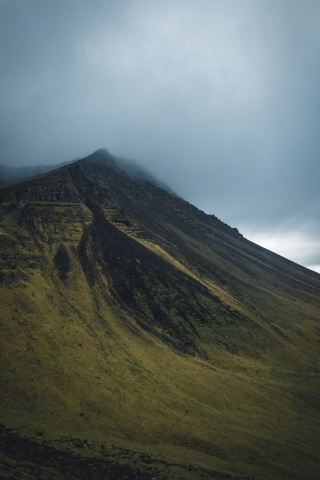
[
  {"x": 142, "y": 338},
  {"x": 131, "y": 168},
  {"x": 11, "y": 174}
]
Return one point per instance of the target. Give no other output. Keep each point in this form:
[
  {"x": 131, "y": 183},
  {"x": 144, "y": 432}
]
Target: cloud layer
[{"x": 219, "y": 99}]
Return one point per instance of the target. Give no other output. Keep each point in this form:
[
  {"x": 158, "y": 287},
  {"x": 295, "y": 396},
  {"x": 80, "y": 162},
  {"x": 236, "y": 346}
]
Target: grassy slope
[{"x": 85, "y": 353}]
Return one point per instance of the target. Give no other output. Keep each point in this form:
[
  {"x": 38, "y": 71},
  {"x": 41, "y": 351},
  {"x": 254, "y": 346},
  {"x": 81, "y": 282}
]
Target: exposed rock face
[
  {"x": 43, "y": 194},
  {"x": 6, "y": 278},
  {"x": 40, "y": 189},
  {"x": 12, "y": 261},
  {"x": 62, "y": 262},
  {"x": 61, "y": 188}
]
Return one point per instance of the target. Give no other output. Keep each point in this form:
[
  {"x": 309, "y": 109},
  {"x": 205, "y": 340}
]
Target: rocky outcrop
[
  {"x": 107, "y": 197},
  {"x": 12, "y": 261},
  {"x": 40, "y": 189},
  {"x": 65, "y": 194},
  {"x": 63, "y": 189},
  {"x": 6, "y": 278}
]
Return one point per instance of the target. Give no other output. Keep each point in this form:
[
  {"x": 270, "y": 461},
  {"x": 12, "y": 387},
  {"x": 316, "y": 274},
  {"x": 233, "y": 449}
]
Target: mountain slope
[
  {"x": 130, "y": 167},
  {"x": 11, "y": 174},
  {"x": 147, "y": 339}
]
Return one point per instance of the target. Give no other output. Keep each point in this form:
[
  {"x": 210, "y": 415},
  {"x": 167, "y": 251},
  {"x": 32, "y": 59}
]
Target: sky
[{"x": 219, "y": 99}]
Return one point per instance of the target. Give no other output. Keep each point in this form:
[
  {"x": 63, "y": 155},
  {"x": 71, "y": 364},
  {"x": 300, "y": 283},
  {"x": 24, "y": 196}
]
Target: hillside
[
  {"x": 142, "y": 338},
  {"x": 11, "y": 174}
]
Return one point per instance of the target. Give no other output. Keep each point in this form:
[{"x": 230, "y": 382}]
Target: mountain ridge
[{"x": 131, "y": 168}]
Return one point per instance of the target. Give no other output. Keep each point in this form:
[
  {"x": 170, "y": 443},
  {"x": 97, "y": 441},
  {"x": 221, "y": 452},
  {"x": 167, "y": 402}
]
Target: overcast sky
[{"x": 218, "y": 98}]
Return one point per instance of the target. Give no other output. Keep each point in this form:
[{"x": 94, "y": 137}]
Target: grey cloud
[{"x": 220, "y": 100}]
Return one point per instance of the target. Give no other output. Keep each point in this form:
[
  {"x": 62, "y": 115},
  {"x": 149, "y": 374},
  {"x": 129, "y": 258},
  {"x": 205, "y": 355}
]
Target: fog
[{"x": 218, "y": 99}]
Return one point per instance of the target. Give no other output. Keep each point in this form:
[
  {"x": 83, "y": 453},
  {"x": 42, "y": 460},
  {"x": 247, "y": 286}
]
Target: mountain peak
[
  {"x": 102, "y": 151},
  {"x": 101, "y": 156}
]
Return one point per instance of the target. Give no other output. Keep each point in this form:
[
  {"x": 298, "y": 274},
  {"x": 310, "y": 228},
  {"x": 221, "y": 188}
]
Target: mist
[{"x": 217, "y": 99}]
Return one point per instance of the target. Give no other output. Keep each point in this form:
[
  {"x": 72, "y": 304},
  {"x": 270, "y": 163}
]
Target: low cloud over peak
[{"x": 219, "y": 100}]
